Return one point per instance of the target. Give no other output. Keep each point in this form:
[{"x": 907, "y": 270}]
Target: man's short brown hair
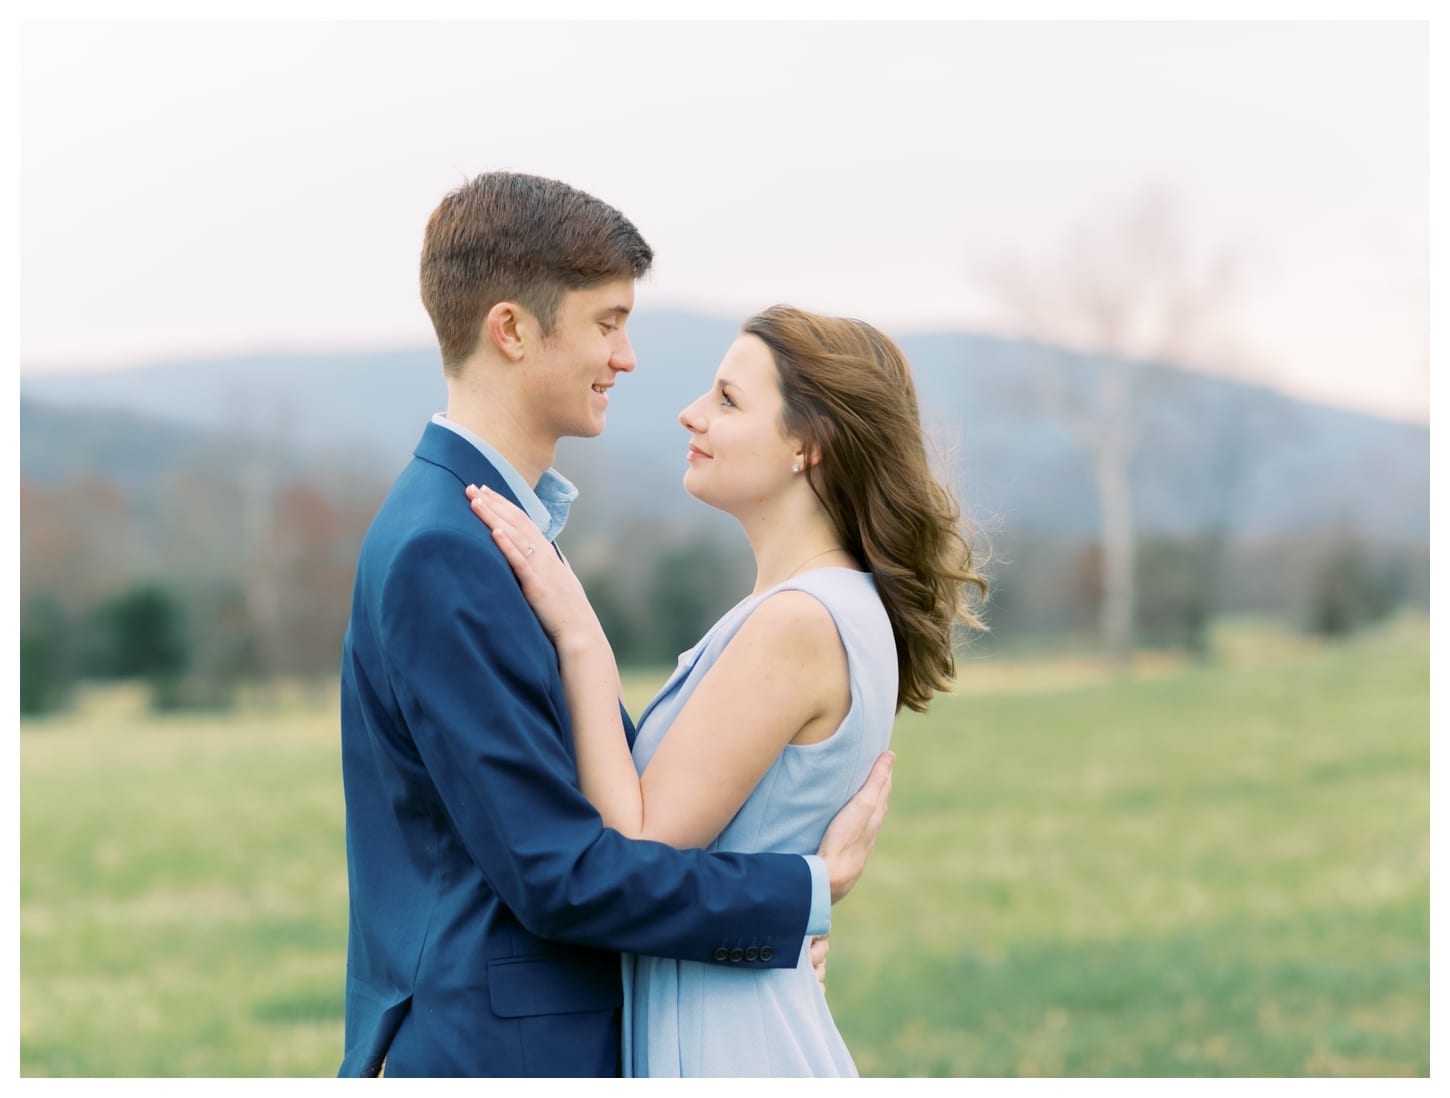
[{"x": 504, "y": 236}]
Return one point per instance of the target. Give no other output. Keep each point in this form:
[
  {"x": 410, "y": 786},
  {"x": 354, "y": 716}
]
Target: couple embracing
[{"x": 511, "y": 832}]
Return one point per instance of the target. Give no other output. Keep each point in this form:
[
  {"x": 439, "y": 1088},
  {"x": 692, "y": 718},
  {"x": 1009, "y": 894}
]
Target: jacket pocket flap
[{"x": 523, "y": 986}]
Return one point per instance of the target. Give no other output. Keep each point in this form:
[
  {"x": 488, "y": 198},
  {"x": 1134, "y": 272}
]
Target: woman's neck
[{"x": 787, "y": 548}]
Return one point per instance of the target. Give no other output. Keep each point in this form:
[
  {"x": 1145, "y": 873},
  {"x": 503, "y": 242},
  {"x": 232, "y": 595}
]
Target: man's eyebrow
[{"x": 615, "y": 310}]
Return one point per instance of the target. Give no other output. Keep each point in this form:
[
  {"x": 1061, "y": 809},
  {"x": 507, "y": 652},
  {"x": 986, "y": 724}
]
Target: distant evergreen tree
[
  {"x": 143, "y": 635},
  {"x": 1350, "y": 591},
  {"x": 690, "y": 586},
  {"x": 47, "y": 657}
]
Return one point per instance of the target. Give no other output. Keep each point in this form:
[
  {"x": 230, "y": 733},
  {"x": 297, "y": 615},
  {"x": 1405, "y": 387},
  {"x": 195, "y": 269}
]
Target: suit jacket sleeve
[{"x": 475, "y": 676}]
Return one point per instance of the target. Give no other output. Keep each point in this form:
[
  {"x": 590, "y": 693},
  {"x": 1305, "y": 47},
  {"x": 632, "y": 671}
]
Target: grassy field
[{"x": 1195, "y": 871}]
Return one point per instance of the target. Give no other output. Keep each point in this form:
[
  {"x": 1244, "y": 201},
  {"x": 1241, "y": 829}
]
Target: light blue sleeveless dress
[{"x": 688, "y": 1018}]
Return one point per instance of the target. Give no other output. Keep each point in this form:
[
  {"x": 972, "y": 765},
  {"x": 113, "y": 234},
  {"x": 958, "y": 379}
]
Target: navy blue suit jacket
[{"x": 487, "y": 900}]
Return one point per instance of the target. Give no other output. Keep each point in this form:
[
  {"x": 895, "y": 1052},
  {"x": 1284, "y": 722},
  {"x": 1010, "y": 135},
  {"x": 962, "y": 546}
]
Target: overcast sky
[{"x": 209, "y": 187}]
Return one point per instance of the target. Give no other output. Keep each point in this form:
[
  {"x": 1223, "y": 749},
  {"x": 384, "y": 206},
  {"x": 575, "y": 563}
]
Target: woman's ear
[{"x": 804, "y": 457}]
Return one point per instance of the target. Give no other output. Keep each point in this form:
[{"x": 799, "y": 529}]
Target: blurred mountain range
[{"x": 1209, "y": 450}]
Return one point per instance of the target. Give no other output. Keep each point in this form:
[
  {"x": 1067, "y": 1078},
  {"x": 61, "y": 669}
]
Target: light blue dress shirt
[{"x": 547, "y": 505}]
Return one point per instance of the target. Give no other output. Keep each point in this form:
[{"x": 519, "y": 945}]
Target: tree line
[
  {"x": 212, "y": 585},
  {"x": 208, "y": 581}
]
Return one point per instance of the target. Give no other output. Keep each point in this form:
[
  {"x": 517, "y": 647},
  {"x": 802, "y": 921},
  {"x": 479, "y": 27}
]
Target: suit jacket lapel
[{"x": 448, "y": 450}]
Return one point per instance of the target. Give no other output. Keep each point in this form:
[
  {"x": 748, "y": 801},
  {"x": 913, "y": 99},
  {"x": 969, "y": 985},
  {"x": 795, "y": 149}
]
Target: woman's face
[{"x": 740, "y": 455}]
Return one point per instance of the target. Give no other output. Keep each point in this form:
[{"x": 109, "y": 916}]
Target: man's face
[{"x": 572, "y": 370}]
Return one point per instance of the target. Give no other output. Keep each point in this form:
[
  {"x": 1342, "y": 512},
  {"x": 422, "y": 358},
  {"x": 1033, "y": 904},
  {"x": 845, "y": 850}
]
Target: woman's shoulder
[
  {"x": 857, "y": 615},
  {"x": 844, "y": 591},
  {"x": 813, "y": 610},
  {"x": 786, "y": 616}
]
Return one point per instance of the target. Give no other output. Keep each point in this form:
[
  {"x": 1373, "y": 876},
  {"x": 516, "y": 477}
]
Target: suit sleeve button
[
  {"x": 766, "y": 953},
  {"x": 752, "y": 954},
  {"x": 722, "y": 954},
  {"x": 737, "y": 955}
]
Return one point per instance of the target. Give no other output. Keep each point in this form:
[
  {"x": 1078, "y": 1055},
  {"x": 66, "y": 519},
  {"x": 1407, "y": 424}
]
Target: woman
[{"x": 811, "y": 438}]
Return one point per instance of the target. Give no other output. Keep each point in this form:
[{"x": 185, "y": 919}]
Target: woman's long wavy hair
[{"x": 850, "y": 399}]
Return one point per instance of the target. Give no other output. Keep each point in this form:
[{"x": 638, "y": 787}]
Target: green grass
[{"x": 1220, "y": 871}]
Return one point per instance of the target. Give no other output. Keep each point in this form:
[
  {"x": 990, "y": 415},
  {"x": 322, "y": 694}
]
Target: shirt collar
[{"x": 546, "y": 503}]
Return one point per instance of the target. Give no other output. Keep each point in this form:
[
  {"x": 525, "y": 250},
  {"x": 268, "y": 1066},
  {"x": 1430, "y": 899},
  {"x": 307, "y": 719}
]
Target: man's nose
[{"x": 622, "y": 360}]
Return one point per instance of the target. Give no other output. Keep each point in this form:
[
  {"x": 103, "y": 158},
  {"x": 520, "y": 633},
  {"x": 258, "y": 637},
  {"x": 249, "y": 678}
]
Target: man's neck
[{"x": 496, "y": 422}]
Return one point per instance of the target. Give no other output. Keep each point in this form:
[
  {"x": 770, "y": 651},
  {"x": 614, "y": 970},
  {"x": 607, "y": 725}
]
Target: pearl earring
[{"x": 795, "y": 468}]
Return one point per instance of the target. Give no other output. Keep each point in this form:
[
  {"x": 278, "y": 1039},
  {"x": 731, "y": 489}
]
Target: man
[{"x": 488, "y": 902}]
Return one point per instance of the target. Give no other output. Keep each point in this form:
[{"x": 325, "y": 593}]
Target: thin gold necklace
[{"x": 823, "y": 552}]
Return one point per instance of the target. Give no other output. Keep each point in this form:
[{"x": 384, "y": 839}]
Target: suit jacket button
[
  {"x": 766, "y": 953},
  {"x": 752, "y": 954},
  {"x": 722, "y": 954},
  {"x": 737, "y": 955}
]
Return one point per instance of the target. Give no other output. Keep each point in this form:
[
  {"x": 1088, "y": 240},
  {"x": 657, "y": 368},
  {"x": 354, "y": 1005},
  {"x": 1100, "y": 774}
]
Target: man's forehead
[{"x": 616, "y": 296}]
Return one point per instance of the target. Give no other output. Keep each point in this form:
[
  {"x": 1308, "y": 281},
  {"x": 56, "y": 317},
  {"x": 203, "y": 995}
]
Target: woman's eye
[{"x": 725, "y": 401}]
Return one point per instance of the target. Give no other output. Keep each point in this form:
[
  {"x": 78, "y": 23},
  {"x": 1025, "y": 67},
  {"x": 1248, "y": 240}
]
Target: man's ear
[{"x": 507, "y": 326}]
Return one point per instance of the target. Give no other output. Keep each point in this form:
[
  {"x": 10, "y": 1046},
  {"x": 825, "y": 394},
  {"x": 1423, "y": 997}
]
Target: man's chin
[{"x": 592, "y": 430}]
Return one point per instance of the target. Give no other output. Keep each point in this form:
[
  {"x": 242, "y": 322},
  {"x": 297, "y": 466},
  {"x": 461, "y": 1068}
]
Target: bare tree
[
  {"x": 1126, "y": 292},
  {"x": 269, "y": 428},
  {"x": 313, "y": 539}
]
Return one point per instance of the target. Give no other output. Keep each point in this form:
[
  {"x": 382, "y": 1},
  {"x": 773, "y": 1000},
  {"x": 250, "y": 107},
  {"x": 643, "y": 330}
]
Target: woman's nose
[{"x": 691, "y": 418}]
